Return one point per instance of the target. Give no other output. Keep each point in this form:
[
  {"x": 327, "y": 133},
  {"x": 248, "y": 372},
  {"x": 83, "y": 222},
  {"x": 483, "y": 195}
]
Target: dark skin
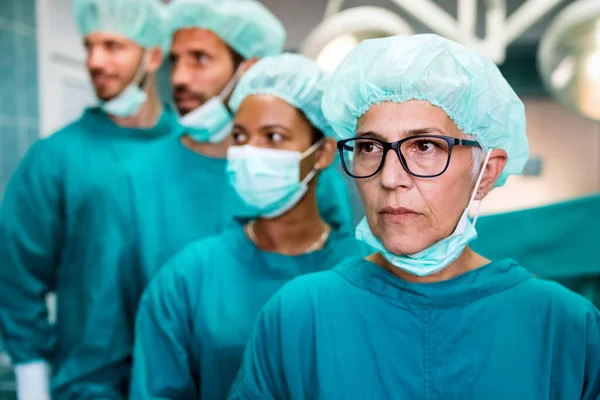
[
  {"x": 113, "y": 62},
  {"x": 437, "y": 202},
  {"x": 201, "y": 66},
  {"x": 266, "y": 121}
]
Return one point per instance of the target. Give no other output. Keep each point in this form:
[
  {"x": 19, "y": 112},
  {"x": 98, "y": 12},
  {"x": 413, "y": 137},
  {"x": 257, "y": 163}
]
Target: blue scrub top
[
  {"x": 39, "y": 224},
  {"x": 359, "y": 332},
  {"x": 162, "y": 201},
  {"x": 197, "y": 314}
]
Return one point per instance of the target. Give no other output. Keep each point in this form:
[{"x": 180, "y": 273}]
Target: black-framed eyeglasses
[{"x": 423, "y": 156}]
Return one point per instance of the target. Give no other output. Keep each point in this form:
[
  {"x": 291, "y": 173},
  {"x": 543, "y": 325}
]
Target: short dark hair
[
  {"x": 316, "y": 134},
  {"x": 236, "y": 58}
]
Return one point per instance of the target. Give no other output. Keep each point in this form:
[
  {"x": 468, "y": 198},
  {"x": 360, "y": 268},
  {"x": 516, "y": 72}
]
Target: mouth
[
  {"x": 187, "y": 103},
  {"x": 398, "y": 215},
  {"x": 102, "y": 81}
]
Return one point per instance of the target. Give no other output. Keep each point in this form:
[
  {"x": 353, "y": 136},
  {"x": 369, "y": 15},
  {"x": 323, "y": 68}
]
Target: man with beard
[
  {"x": 177, "y": 191},
  {"x": 124, "y": 41}
]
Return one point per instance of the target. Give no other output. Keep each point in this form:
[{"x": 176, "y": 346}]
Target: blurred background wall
[{"x": 19, "y": 116}]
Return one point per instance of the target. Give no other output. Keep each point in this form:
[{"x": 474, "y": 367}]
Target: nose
[
  {"x": 393, "y": 174},
  {"x": 96, "y": 58},
  {"x": 254, "y": 140},
  {"x": 180, "y": 75}
]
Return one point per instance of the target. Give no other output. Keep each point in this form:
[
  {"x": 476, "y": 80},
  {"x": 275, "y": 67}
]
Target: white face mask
[
  {"x": 131, "y": 99},
  {"x": 211, "y": 122},
  {"x": 268, "y": 180},
  {"x": 439, "y": 255}
]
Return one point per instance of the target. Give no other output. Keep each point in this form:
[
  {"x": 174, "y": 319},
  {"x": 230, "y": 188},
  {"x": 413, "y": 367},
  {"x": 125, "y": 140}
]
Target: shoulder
[
  {"x": 41, "y": 163},
  {"x": 50, "y": 152},
  {"x": 180, "y": 280},
  {"x": 75, "y": 129},
  {"x": 300, "y": 298},
  {"x": 200, "y": 251},
  {"x": 187, "y": 267},
  {"x": 559, "y": 303}
]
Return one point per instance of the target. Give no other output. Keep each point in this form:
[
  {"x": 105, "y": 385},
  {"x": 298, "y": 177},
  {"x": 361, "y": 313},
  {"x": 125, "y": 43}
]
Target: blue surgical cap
[
  {"x": 292, "y": 78},
  {"x": 141, "y": 21},
  {"x": 466, "y": 85},
  {"x": 246, "y": 26}
]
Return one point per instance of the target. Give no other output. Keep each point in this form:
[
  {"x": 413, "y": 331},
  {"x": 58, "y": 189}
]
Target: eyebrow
[
  {"x": 424, "y": 131},
  {"x": 370, "y": 134},
  {"x": 408, "y": 133},
  {"x": 274, "y": 126}
]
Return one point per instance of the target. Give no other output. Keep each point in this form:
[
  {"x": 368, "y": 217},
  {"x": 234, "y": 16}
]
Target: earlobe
[{"x": 326, "y": 154}]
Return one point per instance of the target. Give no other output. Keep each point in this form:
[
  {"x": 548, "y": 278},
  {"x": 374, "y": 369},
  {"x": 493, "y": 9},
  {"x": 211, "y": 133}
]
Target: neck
[
  {"x": 148, "y": 116},
  {"x": 293, "y": 232},
  {"x": 467, "y": 261},
  {"x": 214, "y": 150}
]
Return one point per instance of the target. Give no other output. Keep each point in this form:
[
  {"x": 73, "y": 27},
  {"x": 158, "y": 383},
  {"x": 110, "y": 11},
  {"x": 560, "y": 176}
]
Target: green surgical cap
[
  {"x": 467, "y": 86},
  {"x": 141, "y": 21},
  {"x": 292, "y": 78},
  {"x": 246, "y": 26}
]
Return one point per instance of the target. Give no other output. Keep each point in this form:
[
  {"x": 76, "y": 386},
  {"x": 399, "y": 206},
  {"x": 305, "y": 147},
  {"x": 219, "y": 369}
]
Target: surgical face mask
[
  {"x": 211, "y": 122},
  {"x": 268, "y": 180},
  {"x": 438, "y": 256},
  {"x": 131, "y": 99}
]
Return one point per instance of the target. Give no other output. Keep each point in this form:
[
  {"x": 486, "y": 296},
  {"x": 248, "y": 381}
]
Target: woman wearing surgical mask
[
  {"x": 197, "y": 314},
  {"x": 428, "y": 127}
]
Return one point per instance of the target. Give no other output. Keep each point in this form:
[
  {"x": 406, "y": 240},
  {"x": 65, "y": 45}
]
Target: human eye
[
  {"x": 367, "y": 147},
  {"x": 200, "y": 57},
  {"x": 428, "y": 145},
  {"x": 275, "y": 137},
  {"x": 239, "y": 137}
]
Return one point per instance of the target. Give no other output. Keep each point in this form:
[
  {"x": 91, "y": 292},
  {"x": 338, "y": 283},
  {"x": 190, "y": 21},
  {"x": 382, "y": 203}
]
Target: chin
[
  {"x": 183, "y": 111},
  {"x": 105, "y": 95},
  {"x": 400, "y": 245},
  {"x": 402, "y": 240}
]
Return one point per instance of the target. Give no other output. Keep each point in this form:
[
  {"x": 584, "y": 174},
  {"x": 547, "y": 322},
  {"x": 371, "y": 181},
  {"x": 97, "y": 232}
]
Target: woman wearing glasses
[{"x": 429, "y": 127}]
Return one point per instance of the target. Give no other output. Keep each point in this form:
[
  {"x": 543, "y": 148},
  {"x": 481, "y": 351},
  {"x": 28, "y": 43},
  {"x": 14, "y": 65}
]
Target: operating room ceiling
[{"x": 300, "y": 16}]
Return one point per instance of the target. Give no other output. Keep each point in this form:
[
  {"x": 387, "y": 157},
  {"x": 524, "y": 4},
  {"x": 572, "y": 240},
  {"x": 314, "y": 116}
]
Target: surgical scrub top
[
  {"x": 162, "y": 201},
  {"x": 38, "y": 226},
  {"x": 359, "y": 332},
  {"x": 557, "y": 241},
  {"x": 197, "y": 314}
]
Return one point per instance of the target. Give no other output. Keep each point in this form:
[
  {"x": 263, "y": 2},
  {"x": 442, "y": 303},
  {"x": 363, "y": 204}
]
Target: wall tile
[
  {"x": 7, "y": 74},
  {"x": 9, "y": 145},
  {"x": 25, "y": 12},
  {"x": 27, "y": 77},
  {"x": 19, "y": 110},
  {"x": 31, "y": 77},
  {"x": 7, "y": 10}
]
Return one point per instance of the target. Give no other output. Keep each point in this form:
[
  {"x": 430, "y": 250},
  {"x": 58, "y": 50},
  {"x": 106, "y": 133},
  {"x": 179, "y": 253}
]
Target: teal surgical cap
[
  {"x": 292, "y": 78},
  {"x": 467, "y": 86},
  {"x": 246, "y": 26},
  {"x": 141, "y": 21}
]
